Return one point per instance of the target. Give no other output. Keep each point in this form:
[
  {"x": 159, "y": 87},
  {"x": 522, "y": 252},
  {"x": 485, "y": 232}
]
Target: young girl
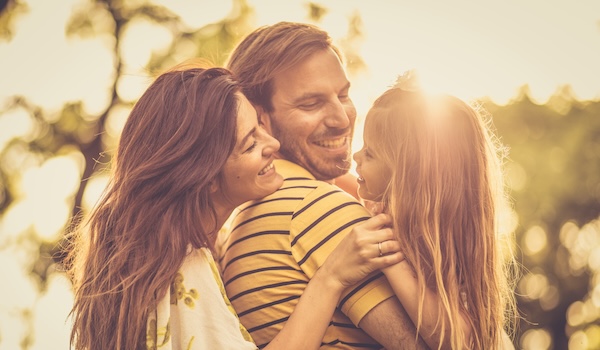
[{"x": 432, "y": 164}]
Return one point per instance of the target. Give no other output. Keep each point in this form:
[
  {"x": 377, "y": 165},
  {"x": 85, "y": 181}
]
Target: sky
[
  {"x": 475, "y": 48},
  {"x": 469, "y": 48}
]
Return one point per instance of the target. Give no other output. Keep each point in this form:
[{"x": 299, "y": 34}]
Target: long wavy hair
[
  {"x": 444, "y": 197},
  {"x": 157, "y": 204}
]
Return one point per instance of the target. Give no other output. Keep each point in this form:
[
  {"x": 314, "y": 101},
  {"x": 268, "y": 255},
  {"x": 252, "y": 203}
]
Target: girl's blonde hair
[{"x": 444, "y": 195}]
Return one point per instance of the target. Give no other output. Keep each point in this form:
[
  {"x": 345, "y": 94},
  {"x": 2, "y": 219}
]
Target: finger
[
  {"x": 380, "y": 235},
  {"x": 377, "y": 221},
  {"x": 388, "y": 260},
  {"x": 386, "y": 248},
  {"x": 390, "y": 247}
]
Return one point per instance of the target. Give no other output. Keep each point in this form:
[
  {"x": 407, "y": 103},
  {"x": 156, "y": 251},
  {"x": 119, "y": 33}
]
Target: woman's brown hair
[{"x": 157, "y": 204}]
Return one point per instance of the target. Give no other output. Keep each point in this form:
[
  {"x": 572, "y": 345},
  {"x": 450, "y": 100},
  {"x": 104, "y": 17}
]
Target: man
[{"x": 294, "y": 77}]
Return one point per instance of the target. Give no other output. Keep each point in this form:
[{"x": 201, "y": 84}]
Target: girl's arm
[
  {"x": 353, "y": 259},
  {"x": 404, "y": 283}
]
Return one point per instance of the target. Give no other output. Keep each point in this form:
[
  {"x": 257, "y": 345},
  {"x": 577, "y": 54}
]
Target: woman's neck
[{"x": 222, "y": 214}]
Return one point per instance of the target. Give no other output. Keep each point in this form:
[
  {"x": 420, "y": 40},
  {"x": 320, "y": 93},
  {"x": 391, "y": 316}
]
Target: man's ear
[{"x": 264, "y": 119}]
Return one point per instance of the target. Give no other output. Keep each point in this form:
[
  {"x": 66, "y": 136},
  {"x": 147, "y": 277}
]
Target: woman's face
[
  {"x": 374, "y": 174},
  {"x": 249, "y": 172}
]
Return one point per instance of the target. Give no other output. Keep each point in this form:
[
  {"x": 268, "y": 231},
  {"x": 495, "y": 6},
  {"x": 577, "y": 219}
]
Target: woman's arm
[
  {"x": 353, "y": 259},
  {"x": 404, "y": 282}
]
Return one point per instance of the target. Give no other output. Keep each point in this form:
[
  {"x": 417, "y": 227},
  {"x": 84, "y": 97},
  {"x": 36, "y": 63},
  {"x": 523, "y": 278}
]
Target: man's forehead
[{"x": 301, "y": 88}]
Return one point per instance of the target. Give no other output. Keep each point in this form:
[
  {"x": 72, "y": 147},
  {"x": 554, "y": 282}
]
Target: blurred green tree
[{"x": 554, "y": 170}]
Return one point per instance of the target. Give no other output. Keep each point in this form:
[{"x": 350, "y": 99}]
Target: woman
[
  {"x": 431, "y": 163},
  {"x": 190, "y": 152}
]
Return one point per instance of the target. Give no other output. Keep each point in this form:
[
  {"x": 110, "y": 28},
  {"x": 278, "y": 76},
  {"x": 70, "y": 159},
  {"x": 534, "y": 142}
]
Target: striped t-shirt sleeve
[{"x": 318, "y": 225}]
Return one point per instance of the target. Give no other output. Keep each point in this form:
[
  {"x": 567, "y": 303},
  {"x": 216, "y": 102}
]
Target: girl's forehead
[{"x": 373, "y": 122}]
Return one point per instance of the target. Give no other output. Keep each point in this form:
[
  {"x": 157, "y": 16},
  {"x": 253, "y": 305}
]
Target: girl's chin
[{"x": 365, "y": 195}]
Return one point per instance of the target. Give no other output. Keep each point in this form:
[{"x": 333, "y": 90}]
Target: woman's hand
[{"x": 368, "y": 247}]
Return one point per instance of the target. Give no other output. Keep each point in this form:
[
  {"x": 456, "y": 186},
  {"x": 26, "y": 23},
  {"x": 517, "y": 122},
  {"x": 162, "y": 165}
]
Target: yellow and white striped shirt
[{"x": 276, "y": 244}]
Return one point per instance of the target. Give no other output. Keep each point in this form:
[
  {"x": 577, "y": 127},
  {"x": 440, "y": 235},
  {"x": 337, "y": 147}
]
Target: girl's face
[{"x": 374, "y": 174}]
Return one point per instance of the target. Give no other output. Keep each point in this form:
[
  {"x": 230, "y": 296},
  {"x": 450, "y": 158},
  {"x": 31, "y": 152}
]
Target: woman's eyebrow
[{"x": 250, "y": 133}]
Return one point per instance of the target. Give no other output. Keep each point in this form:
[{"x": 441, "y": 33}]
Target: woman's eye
[{"x": 252, "y": 146}]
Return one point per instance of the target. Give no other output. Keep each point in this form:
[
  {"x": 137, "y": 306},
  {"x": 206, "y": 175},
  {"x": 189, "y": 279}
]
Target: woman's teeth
[
  {"x": 332, "y": 143},
  {"x": 267, "y": 168}
]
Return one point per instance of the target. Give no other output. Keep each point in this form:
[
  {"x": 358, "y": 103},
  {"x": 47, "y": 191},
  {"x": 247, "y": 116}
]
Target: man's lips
[{"x": 332, "y": 143}]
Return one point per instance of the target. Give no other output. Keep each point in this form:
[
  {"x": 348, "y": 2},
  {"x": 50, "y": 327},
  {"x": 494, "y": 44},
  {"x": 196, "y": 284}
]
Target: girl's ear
[{"x": 264, "y": 119}]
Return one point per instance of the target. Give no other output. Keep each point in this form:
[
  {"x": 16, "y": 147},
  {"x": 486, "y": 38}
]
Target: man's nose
[{"x": 337, "y": 116}]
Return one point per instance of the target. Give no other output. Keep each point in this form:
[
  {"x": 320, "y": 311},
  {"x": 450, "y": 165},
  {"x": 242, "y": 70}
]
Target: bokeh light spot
[
  {"x": 534, "y": 240},
  {"x": 536, "y": 339},
  {"x": 550, "y": 298},
  {"x": 533, "y": 285},
  {"x": 14, "y": 123},
  {"x": 578, "y": 341},
  {"x": 576, "y": 314},
  {"x": 94, "y": 189}
]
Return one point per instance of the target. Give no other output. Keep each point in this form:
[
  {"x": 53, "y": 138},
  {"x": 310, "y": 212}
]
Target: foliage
[
  {"x": 554, "y": 169},
  {"x": 554, "y": 148}
]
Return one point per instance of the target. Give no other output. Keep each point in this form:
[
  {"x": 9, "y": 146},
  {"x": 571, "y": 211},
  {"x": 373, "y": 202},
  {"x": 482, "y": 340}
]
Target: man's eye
[{"x": 309, "y": 105}]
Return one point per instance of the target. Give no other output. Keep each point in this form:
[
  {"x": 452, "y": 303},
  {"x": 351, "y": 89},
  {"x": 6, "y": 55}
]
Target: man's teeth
[
  {"x": 267, "y": 168},
  {"x": 332, "y": 143},
  {"x": 360, "y": 178}
]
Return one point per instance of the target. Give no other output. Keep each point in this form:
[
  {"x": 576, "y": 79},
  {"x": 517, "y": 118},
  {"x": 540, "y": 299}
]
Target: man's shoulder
[
  {"x": 296, "y": 193},
  {"x": 299, "y": 185}
]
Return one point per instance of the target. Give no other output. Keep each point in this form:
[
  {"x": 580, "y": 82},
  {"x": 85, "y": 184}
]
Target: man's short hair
[{"x": 270, "y": 50}]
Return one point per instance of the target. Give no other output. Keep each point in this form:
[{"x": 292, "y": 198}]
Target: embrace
[{"x": 301, "y": 264}]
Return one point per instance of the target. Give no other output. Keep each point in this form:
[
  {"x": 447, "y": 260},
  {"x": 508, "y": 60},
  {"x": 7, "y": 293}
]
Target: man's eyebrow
[
  {"x": 250, "y": 133},
  {"x": 306, "y": 96},
  {"x": 309, "y": 95}
]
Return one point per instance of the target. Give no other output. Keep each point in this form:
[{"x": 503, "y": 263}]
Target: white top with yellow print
[{"x": 195, "y": 313}]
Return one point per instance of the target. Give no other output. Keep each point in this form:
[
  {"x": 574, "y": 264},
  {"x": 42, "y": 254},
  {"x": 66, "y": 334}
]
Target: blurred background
[{"x": 71, "y": 70}]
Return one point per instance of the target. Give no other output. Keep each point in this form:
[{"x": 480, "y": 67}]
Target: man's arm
[{"x": 389, "y": 324}]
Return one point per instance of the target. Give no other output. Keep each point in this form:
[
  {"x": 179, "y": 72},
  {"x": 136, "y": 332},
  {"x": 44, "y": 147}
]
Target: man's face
[{"x": 313, "y": 116}]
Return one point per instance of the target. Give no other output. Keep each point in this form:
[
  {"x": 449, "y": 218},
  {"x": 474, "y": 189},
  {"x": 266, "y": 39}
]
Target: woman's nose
[{"x": 271, "y": 145}]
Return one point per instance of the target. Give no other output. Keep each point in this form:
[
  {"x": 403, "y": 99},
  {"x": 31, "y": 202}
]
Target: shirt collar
[{"x": 288, "y": 169}]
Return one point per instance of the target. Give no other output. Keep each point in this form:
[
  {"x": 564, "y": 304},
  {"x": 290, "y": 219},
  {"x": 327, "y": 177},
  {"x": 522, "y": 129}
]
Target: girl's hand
[{"x": 368, "y": 247}]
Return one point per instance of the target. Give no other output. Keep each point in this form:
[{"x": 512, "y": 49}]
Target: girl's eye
[{"x": 367, "y": 153}]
